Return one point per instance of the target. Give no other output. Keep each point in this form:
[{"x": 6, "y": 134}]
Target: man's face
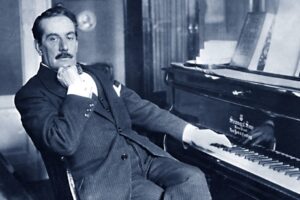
[{"x": 59, "y": 44}]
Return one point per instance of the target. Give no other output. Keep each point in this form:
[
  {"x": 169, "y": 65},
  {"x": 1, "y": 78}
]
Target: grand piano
[{"x": 232, "y": 101}]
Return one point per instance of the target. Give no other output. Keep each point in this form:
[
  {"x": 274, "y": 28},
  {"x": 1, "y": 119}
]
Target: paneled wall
[
  {"x": 11, "y": 76},
  {"x": 19, "y": 62},
  {"x": 104, "y": 42}
]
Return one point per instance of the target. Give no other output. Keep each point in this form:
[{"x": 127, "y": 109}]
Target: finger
[
  {"x": 206, "y": 148},
  {"x": 247, "y": 141},
  {"x": 224, "y": 140},
  {"x": 72, "y": 68},
  {"x": 61, "y": 76},
  {"x": 59, "y": 72},
  {"x": 252, "y": 137},
  {"x": 256, "y": 141},
  {"x": 256, "y": 134},
  {"x": 253, "y": 131}
]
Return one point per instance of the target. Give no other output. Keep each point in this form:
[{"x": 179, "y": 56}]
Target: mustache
[{"x": 63, "y": 55}]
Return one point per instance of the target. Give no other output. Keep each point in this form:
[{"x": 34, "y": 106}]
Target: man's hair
[{"x": 58, "y": 10}]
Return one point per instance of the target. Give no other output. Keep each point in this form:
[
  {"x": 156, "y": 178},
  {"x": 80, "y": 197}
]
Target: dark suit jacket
[{"x": 86, "y": 134}]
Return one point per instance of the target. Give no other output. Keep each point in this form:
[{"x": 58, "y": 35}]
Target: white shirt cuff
[
  {"x": 187, "y": 134},
  {"x": 80, "y": 89}
]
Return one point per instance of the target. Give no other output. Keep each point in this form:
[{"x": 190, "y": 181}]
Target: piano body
[{"x": 233, "y": 101}]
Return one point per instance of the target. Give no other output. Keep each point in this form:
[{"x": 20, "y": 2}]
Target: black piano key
[
  {"x": 251, "y": 157},
  {"x": 272, "y": 162},
  {"x": 278, "y": 156},
  {"x": 284, "y": 158},
  {"x": 221, "y": 146},
  {"x": 260, "y": 159},
  {"x": 281, "y": 168},
  {"x": 284, "y": 169},
  {"x": 217, "y": 145},
  {"x": 268, "y": 162},
  {"x": 240, "y": 152},
  {"x": 288, "y": 172},
  {"x": 247, "y": 154},
  {"x": 294, "y": 174},
  {"x": 276, "y": 166},
  {"x": 257, "y": 154},
  {"x": 292, "y": 168},
  {"x": 256, "y": 158},
  {"x": 251, "y": 154},
  {"x": 235, "y": 148}
]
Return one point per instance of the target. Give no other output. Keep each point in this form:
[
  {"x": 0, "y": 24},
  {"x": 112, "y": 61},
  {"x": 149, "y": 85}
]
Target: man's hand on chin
[
  {"x": 68, "y": 75},
  {"x": 203, "y": 138}
]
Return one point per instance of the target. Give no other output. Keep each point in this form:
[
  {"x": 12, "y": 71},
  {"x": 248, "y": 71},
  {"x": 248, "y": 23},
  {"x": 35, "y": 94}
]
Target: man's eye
[
  {"x": 71, "y": 37},
  {"x": 52, "y": 39}
]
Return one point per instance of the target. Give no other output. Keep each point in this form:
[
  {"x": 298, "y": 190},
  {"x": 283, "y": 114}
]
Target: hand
[
  {"x": 68, "y": 75},
  {"x": 204, "y": 137},
  {"x": 262, "y": 135}
]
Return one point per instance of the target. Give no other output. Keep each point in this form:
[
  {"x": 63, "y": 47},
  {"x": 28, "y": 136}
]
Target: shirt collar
[{"x": 45, "y": 65}]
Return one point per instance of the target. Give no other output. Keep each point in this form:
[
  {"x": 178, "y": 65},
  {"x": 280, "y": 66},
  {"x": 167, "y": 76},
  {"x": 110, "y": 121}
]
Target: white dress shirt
[{"x": 86, "y": 87}]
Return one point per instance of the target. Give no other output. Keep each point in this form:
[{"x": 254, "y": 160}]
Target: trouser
[
  {"x": 152, "y": 178},
  {"x": 161, "y": 178}
]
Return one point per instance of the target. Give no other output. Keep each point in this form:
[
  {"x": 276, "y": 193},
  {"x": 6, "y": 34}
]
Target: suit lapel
[
  {"x": 49, "y": 80},
  {"x": 100, "y": 108},
  {"x": 107, "y": 89},
  {"x": 111, "y": 99}
]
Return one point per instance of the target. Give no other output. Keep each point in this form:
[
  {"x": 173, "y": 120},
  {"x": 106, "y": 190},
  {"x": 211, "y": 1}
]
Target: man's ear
[{"x": 38, "y": 47}]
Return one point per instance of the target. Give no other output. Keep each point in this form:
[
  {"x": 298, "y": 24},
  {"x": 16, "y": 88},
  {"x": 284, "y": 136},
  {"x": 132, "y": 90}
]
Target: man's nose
[{"x": 63, "y": 45}]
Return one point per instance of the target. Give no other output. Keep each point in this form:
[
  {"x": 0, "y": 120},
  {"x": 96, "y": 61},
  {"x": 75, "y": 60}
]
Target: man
[{"x": 76, "y": 112}]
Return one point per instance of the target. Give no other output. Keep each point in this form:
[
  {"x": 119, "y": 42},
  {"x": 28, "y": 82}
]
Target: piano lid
[{"x": 268, "y": 79}]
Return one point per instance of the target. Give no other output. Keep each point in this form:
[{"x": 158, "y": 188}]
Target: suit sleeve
[
  {"x": 145, "y": 114},
  {"x": 52, "y": 128}
]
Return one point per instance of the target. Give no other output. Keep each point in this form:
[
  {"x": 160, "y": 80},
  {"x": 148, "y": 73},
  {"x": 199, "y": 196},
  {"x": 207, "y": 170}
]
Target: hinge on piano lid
[
  {"x": 211, "y": 77},
  {"x": 240, "y": 92}
]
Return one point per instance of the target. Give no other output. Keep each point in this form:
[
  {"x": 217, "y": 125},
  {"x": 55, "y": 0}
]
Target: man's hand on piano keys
[
  {"x": 262, "y": 135},
  {"x": 204, "y": 138}
]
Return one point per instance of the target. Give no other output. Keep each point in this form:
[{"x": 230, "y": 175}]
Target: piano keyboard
[{"x": 277, "y": 168}]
